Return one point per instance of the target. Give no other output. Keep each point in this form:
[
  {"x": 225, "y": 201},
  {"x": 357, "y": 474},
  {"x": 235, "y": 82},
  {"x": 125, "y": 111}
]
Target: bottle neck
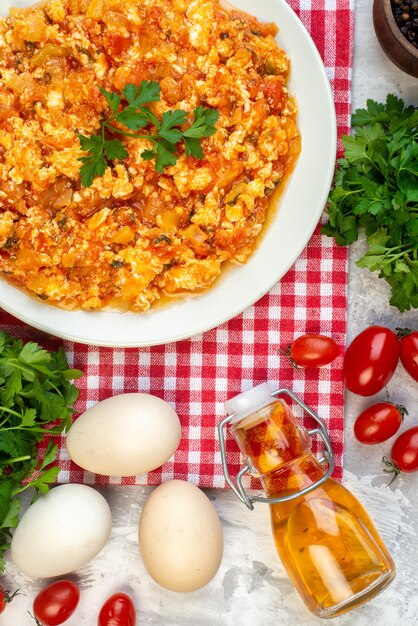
[
  {"x": 278, "y": 449},
  {"x": 296, "y": 475}
]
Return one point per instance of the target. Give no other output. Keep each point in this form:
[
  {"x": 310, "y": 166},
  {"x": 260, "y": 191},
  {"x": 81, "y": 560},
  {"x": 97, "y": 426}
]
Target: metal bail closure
[{"x": 328, "y": 457}]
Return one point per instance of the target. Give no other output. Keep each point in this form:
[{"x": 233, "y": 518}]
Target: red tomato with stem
[
  {"x": 370, "y": 360},
  {"x": 56, "y": 603},
  {"x": 404, "y": 454},
  {"x": 379, "y": 422},
  {"x": 409, "y": 351},
  {"x": 5, "y": 598},
  {"x": 312, "y": 351},
  {"x": 118, "y": 610}
]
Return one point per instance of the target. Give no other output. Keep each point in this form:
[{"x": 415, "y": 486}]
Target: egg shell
[
  {"x": 180, "y": 537},
  {"x": 125, "y": 435},
  {"x": 62, "y": 531}
]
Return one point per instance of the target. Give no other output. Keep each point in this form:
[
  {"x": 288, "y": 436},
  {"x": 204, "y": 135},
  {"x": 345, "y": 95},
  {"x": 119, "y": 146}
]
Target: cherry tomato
[
  {"x": 404, "y": 454},
  {"x": 312, "y": 350},
  {"x": 56, "y": 603},
  {"x": 370, "y": 360},
  {"x": 5, "y": 598},
  {"x": 118, "y": 610},
  {"x": 379, "y": 422},
  {"x": 409, "y": 351}
]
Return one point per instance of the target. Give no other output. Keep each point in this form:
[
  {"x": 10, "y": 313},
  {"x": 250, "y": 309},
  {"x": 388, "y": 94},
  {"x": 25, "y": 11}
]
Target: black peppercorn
[{"x": 405, "y": 13}]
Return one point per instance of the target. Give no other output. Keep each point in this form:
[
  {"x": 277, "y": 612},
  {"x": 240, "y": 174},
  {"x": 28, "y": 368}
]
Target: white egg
[
  {"x": 62, "y": 531},
  {"x": 125, "y": 435},
  {"x": 180, "y": 536}
]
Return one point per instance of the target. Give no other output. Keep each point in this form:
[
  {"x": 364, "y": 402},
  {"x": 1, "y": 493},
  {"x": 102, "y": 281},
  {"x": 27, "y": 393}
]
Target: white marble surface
[{"x": 251, "y": 587}]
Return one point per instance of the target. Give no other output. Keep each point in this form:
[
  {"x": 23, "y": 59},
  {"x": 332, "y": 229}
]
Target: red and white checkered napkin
[{"x": 198, "y": 375}]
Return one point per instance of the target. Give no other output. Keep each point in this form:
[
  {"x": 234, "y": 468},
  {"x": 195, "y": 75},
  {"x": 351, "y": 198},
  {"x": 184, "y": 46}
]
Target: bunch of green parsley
[
  {"x": 36, "y": 398},
  {"x": 376, "y": 191}
]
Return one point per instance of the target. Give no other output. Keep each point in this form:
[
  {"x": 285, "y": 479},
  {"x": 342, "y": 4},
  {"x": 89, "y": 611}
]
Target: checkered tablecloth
[{"x": 198, "y": 375}]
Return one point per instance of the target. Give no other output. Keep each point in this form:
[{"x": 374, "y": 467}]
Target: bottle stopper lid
[{"x": 249, "y": 401}]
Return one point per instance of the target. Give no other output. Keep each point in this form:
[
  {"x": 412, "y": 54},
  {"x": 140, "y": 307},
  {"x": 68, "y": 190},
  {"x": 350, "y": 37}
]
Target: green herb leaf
[
  {"x": 11, "y": 518},
  {"x": 91, "y": 144},
  {"x": 203, "y": 124},
  {"x": 165, "y": 156},
  {"x": 13, "y": 384},
  {"x": 50, "y": 455},
  {"x": 5, "y": 494},
  {"x": 193, "y": 147},
  {"x": 31, "y": 354},
  {"x": 132, "y": 119},
  {"x": 149, "y": 155},
  {"x": 115, "y": 150},
  {"x": 94, "y": 164},
  {"x": 29, "y": 417},
  {"x": 148, "y": 91},
  {"x": 113, "y": 99},
  {"x": 169, "y": 120},
  {"x": 72, "y": 374}
]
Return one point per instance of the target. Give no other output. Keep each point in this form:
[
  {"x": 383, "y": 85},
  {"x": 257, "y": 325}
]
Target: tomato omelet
[{"x": 136, "y": 234}]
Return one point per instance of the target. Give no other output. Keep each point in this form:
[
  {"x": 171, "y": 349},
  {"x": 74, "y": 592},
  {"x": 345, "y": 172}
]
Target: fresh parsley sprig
[
  {"x": 135, "y": 115},
  {"x": 36, "y": 399},
  {"x": 376, "y": 191}
]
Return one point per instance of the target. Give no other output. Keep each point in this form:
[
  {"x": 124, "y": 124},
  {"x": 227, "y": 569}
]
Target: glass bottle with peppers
[{"x": 324, "y": 537}]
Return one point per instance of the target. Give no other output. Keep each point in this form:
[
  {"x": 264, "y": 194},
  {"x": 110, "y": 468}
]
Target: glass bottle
[{"x": 324, "y": 537}]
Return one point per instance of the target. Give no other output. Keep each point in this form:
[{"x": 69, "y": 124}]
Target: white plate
[{"x": 299, "y": 209}]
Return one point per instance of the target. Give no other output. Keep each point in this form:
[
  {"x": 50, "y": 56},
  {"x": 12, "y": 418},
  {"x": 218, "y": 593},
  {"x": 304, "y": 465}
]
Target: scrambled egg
[{"x": 135, "y": 234}]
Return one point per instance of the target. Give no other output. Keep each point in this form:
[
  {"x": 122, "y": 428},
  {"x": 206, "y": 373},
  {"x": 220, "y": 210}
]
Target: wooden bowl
[{"x": 399, "y": 50}]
